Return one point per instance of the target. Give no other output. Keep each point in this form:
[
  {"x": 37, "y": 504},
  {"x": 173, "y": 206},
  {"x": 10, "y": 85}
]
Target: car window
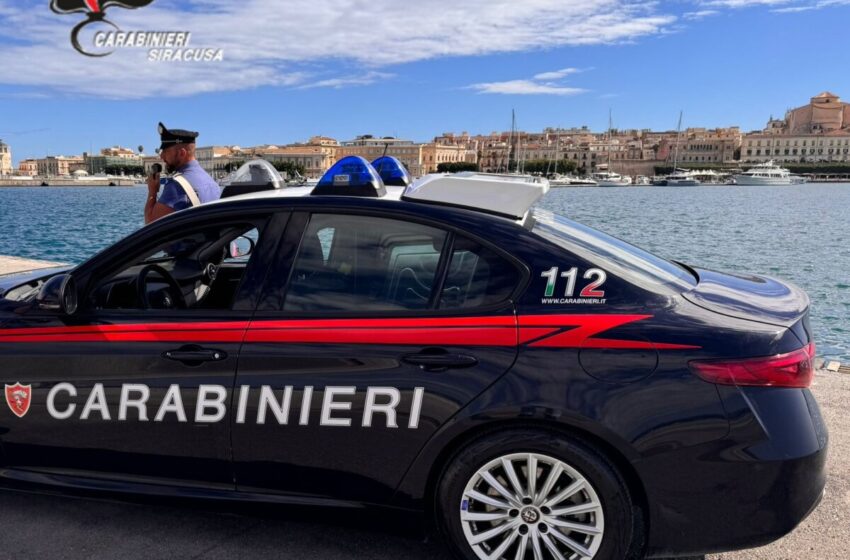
[
  {"x": 364, "y": 263},
  {"x": 627, "y": 261},
  {"x": 476, "y": 277},
  {"x": 190, "y": 269}
]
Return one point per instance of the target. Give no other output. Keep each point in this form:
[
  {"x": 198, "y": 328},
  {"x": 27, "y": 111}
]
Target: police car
[{"x": 539, "y": 389}]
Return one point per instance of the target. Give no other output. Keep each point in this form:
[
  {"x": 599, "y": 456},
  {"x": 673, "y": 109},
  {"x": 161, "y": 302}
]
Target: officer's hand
[{"x": 153, "y": 184}]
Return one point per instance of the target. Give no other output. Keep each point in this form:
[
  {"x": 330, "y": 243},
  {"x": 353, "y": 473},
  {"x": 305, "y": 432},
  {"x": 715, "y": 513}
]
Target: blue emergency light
[
  {"x": 392, "y": 171},
  {"x": 351, "y": 176}
]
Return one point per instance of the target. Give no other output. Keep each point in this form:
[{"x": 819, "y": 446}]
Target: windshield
[{"x": 616, "y": 256}]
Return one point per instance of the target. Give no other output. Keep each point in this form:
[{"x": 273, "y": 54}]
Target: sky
[{"x": 292, "y": 69}]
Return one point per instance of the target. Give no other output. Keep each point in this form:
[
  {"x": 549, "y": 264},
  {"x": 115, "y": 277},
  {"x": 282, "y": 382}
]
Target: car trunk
[{"x": 755, "y": 298}]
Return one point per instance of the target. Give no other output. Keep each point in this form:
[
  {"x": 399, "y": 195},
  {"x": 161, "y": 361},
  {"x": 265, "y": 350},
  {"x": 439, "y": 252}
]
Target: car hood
[
  {"x": 756, "y": 298},
  {"x": 14, "y": 279}
]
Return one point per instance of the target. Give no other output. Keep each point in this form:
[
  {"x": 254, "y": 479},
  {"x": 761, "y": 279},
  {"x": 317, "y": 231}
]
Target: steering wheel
[{"x": 173, "y": 287}]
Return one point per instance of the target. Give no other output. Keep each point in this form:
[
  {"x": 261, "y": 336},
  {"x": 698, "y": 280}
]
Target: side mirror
[
  {"x": 59, "y": 293},
  {"x": 241, "y": 247}
]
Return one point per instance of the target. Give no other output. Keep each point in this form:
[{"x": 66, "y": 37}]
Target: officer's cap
[{"x": 175, "y": 136}]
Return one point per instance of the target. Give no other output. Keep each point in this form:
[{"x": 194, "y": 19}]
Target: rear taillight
[{"x": 794, "y": 369}]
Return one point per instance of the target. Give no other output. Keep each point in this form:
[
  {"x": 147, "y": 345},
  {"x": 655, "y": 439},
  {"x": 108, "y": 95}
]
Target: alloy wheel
[{"x": 531, "y": 506}]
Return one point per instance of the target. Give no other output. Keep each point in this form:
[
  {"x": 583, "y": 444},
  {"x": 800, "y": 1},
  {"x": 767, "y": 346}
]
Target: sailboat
[
  {"x": 608, "y": 178},
  {"x": 679, "y": 177}
]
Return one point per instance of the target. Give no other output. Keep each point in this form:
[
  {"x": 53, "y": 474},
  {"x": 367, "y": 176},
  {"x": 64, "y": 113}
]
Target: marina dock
[{"x": 60, "y": 182}]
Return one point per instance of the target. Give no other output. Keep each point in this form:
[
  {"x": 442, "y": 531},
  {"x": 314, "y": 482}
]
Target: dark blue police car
[{"x": 541, "y": 390}]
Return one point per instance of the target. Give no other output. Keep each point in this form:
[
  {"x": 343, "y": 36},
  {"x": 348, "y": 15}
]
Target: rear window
[{"x": 616, "y": 256}]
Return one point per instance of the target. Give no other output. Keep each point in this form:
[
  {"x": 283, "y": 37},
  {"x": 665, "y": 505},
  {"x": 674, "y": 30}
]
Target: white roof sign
[{"x": 508, "y": 195}]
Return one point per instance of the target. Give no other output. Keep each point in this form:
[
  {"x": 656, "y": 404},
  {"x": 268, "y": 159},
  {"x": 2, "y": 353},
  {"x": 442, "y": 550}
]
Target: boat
[
  {"x": 608, "y": 178},
  {"x": 710, "y": 176},
  {"x": 642, "y": 180},
  {"x": 570, "y": 181},
  {"x": 679, "y": 177},
  {"x": 582, "y": 182},
  {"x": 611, "y": 179},
  {"x": 767, "y": 173}
]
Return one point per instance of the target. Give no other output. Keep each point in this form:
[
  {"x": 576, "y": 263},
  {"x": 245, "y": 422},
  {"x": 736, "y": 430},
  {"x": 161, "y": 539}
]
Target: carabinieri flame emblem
[{"x": 95, "y": 11}]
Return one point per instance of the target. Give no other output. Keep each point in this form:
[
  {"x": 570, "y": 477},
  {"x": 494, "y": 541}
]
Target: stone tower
[{"x": 5, "y": 159}]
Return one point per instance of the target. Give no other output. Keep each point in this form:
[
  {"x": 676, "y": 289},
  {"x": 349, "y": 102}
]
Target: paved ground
[
  {"x": 825, "y": 535},
  {"x": 15, "y": 264},
  {"x": 54, "y": 527}
]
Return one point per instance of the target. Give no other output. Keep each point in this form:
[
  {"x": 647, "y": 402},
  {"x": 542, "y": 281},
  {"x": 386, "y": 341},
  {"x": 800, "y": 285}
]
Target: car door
[
  {"x": 372, "y": 333},
  {"x": 137, "y": 392}
]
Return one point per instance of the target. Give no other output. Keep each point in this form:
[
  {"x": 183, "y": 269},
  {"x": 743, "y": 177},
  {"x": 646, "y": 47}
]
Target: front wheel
[{"x": 533, "y": 495}]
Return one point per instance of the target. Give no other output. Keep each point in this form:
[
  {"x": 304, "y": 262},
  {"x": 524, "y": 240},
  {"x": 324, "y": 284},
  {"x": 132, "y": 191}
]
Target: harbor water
[{"x": 799, "y": 233}]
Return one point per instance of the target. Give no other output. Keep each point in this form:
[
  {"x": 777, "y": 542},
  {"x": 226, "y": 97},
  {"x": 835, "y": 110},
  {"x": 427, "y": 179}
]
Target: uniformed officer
[{"x": 189, "y": 186}]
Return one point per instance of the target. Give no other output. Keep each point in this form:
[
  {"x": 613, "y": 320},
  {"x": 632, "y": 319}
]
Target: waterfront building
[
  {"x": 315, "y": 156},
  {"x": 28, "y": 167},
  {"x": 5, "y": 159},
  {"x": 817, "y": 132},
  {"x": 213, "y": 159},
  {"x": 314, "y": 159},
  {"x": 107, "y": 159},
  {"x": 119, "y": 152},
  {"x": 59, "y": 165},
  {"x": 715, "y": 146},
  {"x": 370, "y": 147}
]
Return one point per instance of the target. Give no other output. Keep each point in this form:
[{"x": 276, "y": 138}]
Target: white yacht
[
  {"x": 680, "y": 178},
  {"x": 560, "y": 181},
  {"x": 611, "y": 179},
  {"x": 582, "y": 182},
  {"x": 765, "y": 174},
  {"x": 570, "y": 181}
]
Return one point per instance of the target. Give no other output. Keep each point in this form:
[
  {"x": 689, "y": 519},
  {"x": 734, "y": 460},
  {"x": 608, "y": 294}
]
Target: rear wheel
[{"x": 533, "y": 495}]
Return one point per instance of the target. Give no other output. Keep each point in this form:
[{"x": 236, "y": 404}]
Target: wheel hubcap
[
  {"x": 529, "y": 505},
  {"x": 530, "y": 515}
]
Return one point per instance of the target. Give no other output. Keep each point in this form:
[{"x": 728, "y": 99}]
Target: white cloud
[
  {"x": 812, "y": 6},
  {"x": 699, "y": 14},
  {"x": 525, "y": 87},
  {"x": 745, "y": 3},
  {"x": 557, "y": 74},
  {"x": 362, "y": 80},
  {"x": 793, "y": 9},
  {"x": 302, "y": 43}
]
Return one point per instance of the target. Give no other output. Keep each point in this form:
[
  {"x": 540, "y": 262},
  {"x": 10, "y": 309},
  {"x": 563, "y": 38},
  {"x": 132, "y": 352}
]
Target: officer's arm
[
  {"x": 168, "y": 200},
  {"x": 155, "y": 210}
]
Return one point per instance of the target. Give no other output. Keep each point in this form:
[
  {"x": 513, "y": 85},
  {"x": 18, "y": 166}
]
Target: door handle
[
  {"x": 195, "y": 355},
  {"x": 439, "y": 360}
]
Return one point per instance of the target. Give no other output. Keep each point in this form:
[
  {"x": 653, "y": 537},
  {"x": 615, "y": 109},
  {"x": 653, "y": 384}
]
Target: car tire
[{"x": 485, "y": 511}]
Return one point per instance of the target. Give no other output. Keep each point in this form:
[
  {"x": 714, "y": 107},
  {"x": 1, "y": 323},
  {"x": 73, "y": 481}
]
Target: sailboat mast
[
  {"x": 510, "y": 141},
  {"x": 678, "y": 135},
  {"x": 610, "y": 126}
]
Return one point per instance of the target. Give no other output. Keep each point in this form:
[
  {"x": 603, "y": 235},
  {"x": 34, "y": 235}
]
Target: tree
[
  {"x": 289, "y": 168},
  {"x": 234, "y": 165},
  {"x": 124, "y": 170},
  {"x": 456, "y": 167}
]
